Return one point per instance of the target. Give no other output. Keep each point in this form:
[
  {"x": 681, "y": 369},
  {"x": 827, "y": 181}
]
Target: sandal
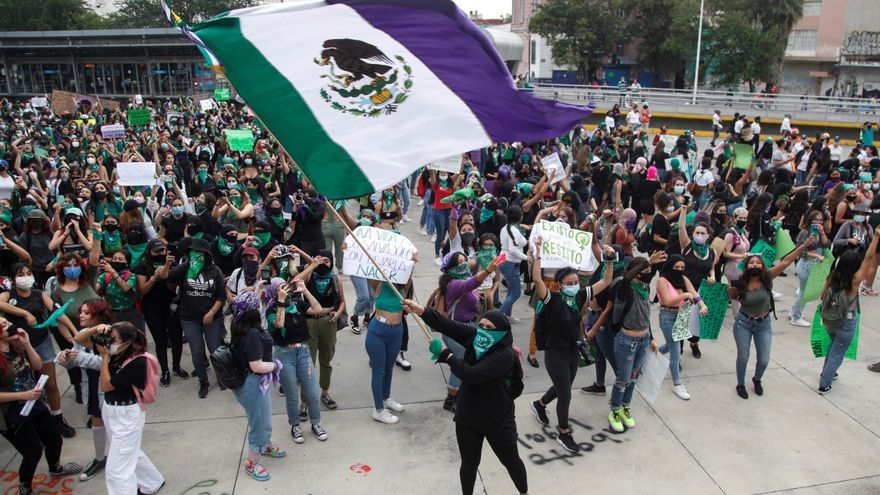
[
  {"x": 256, "y": 470},
  {"x": 274, "y": 451}
]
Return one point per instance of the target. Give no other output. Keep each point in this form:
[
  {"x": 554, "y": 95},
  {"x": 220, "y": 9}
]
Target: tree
[
  {"x": 739, "y": 49},
  {"x": 582, "y": 32},
  {"x": 667, "y": 34},
  {"x": 148, "y": 13},
  {"x": 781, "y": 15},
  {"x": 47, "y": 15}
]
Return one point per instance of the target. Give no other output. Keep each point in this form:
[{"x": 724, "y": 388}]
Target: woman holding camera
[
  {"x": 32, "y": 433},
  {"x": 561, "y": 315}
]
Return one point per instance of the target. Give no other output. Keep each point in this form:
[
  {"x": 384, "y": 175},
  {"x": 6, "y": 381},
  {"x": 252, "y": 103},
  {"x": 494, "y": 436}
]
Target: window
[
  {"x": 813, "y": 7},
  {"x": 802, "y": 40},
  {"x": 534, "y": 49}
]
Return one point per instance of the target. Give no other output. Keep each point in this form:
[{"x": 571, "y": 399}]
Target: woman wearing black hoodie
[{"x": 485, "y": 400}]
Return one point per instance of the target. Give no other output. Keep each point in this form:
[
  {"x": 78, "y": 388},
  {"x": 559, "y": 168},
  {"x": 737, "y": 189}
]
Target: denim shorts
[{"x": 46, "y": 350}]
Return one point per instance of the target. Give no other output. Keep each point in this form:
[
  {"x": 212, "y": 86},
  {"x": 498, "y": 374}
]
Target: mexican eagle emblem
[{"x": 363, "y": 81}]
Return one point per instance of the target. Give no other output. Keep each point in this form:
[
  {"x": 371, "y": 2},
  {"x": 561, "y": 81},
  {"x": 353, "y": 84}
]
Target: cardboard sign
[
  {"x": 138, "y": 100},
  {"x": 222, "y": 94},
  {"x": 139, "y": 116},
  {"x": 451, "y": 164},
  {"x": 208, "y": 104},
  {"x": 820, "y": 341},
  {"x": 39, "y": 102},
  {"x": 742, "y": 155},
  {"x": 681, "y": 328},
  {"x": 564, "y": 246},
  {"x": 552, "y": 162},
  {"x": 171, "y": 118},
  {"x": 113, "y": 131},
  {"x": 136, "y": 173},
  {"x": 239, "y": 140},
  {"x": 715, "y": 298},
  {"x": 393, "y": 252},
  {"x": 816, "y": 280},
  {"x": 655, "y": 366},
  {"x": 66, "y": 101},
  {"x": 668, "y": 142}
]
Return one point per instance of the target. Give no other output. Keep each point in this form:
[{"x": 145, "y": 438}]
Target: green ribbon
[{"x": 52, "y": 320}]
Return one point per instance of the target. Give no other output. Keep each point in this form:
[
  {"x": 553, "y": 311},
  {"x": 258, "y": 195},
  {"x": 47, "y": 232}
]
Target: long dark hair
[
  {"x": 743, "y": 282},
  {"x": 250, "y": 319},
  {"x": 756, "y": 211},
  {"x": 137, "y": 341},
  {"x": 845, "y": 269},
  {"x": 444, "y": 277}
]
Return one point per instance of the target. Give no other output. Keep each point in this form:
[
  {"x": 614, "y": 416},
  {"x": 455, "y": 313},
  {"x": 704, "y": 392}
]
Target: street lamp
[{"x": 697, "y": 66}]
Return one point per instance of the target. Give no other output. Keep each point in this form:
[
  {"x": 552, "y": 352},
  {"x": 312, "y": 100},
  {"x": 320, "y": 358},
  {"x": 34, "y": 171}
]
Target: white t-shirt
[
  {"x": 704, "y": 177},
  {"x": 756, "y": 128},
  {"x": 805, "y": 158},
  {"x": 632, "y": 118},
  {"x": 738, "y": 126},
  {"x": 609, "y": 122},
  {"x": 716, "y": 120},
  {"x": 836, "y": 152},
  {"x": 786, "y": 125},
  {"x": 7, "y": 187}
]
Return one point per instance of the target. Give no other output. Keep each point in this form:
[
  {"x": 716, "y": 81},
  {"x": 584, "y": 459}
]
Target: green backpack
[{"x": 836, "y": 305}]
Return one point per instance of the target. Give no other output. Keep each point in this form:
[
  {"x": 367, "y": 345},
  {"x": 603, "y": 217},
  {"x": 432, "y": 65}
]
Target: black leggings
[
  {"x": 562, "y": 366},
  {"x": 162, "y": 326},
  {"x": 404, "y": 344},
  {"x": 29, "y": 438},
  {"x": 503, "y": 443}
]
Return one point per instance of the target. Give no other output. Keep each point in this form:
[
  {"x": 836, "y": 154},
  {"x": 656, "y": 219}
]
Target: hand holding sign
[
  {"x": 553, "y": 168},
  {"x": 563, "y": 246},
  {"x": 394, "y": 253}
]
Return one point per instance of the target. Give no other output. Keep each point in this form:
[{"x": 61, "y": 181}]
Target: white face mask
[
  {"x": 90, "y": 161},
  {"x": 700, "y": 239},
  {"x": 24, "y": 283},
  {"x": 114, "y": 349}
]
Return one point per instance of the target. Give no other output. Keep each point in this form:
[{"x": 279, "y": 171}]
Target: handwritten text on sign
[
  {"x": 393, "y": 252},
  {"x": 564, "y": 246}
]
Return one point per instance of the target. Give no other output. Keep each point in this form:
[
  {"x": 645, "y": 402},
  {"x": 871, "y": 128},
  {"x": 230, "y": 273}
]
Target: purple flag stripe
[{"x": 464, "y": 58}]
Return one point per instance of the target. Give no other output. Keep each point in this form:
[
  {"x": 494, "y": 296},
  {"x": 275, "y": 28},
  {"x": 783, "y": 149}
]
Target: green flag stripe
[{"x": 280, "y": 106}]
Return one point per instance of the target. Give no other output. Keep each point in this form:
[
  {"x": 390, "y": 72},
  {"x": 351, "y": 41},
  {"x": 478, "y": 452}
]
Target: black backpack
[
  {"x": 617, "y": 318},
  {"x": 514, "y": 383},
  {"x": 229, "y": 373}
]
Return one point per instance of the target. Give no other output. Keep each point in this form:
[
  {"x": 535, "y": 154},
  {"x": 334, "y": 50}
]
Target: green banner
[
  {"x": 742, "y": 155},
  {"x": 716, "y": 300},
  {"x": 784, "y": 244},
  {"x": 820, "y": 341},
  {"x": 816, "y": 280},
  {"x": 239, "y": 140},
  {"x": 222, "y": 94},
  {"x": 139, "y": 116}
]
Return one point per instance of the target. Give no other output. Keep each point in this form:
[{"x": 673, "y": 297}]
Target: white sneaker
[
  {"x": 393, "y": 405},
  {"x": 800, "y": 322},
  {"x": 513, "y": 319},
  {"x": 776, "y": 296},
  {"x": 406, "y": 219},
  {"x": 680, "y": 391},
  {"x": 423, "y": 231},
  {"x": 438, "y": 261},
  {"x": 432, "y": 237},
  {"x": 421, "y": 202},
  {"x": 384, "y": 416}
]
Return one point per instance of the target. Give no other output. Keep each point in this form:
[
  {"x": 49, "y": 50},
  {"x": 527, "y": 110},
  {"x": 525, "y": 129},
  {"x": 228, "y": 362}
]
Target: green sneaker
[
  {"x": 628, "y": 420},
  {"x": 615, "y": 421}
]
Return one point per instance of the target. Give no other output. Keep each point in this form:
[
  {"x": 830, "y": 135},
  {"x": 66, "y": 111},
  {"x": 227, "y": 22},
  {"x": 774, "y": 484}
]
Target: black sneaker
[
  {"x": 165, "y": 379},
  {"x": 319, "y": 432},
  {"x": 824, "y": 390},
  {"x": 25, "y": 490},
  {"x": 450, "y": 403},
  {"x": 139, "y": 492},
  {"x": 328, "y": 401},
  {"x": 179, "y": 373},
  {"x": 695, "y": 348},
  {"x": 594, "y": 389},
  {"x": 78, "y": 393},
  {"x": 368, "y": 318},
  {"x": 281, "y": 390},
  {"x": 89, "y": 423},
  {"x": 353, "y": 324},
  {"x": 304, "y": 412},
  {"x": 203, "y": 389},
  {"x": 66, "y": 430},
  {"x": 540, "y": 412},
  {"x": 759, "y": 389},
  {"x": 567, "y": 442},
  {"x": 93, "y": 469},
  {"x": 533, "y": 361},
  {"x": 65, "y": 469},
  {"x": 741, "y": 391}
]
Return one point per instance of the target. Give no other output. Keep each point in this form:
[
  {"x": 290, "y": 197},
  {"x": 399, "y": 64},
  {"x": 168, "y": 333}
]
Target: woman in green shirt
[{"x": 118, "y": 285}]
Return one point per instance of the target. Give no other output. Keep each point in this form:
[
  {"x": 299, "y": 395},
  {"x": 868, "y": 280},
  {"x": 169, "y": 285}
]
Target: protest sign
[
  {"x": 171, "y": 118},
  {"x": 393, "y": 252},
  {"x": 668, "y": 142},
  {"x": 653, "y": 372},
  {"x": 820, "y": 341},
  {"x": 552, "y": 162},
  {"x": 783, "y": 244},
  {"x": 239, "y": 140},
  {"x": 66, "y": 101},
  {"x": 716, "y": 300},
  {"x": 681, "y": 328},
  {"x": 139, "y": 116},
  {"x": 138, "y": 100},
  {"x": 136, "y": 173},
  {"x": 742, "y": 155},
  {"x": 767, "y": 252},
  {"x": 816, "y": 280},
  {"x": 451, "y": 164},
  {"x": 207, "y": 104},
  {"x": 113, "y": 131},
  {"x": 564, "y": 246},
  {"x": 39, "y": 102},
  {"x": 222, "y": 94}
]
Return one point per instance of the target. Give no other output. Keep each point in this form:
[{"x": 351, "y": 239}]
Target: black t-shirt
[
  {"x": 564, "y": 324},
  {"x": 255, "y": 345},
  {"x": 33, "y": 304},
  {"x": 199, "y": 294},
  {"x": 123, "y": 378},
  {"x": 660, "y": 226},
  {"x": 174, "y": 227},
  {"x": 296, "y": 329},
  {"x": 160, "y": 293},
  {"x": 38, "y": 247}
]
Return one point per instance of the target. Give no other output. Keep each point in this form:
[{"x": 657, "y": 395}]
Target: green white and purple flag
[{"x": 363, "y": 92}]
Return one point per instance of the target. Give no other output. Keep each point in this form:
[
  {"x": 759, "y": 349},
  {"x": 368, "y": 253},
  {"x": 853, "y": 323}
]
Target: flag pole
[{"x": 341, "y": 220}]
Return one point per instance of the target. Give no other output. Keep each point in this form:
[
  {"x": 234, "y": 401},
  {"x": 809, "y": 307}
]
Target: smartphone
[
  {"x": 172, "y": 247},
  {"x": 687, "y": 200},
  {"x": 266, "y": 274},
  {"x": 502, "y": 258},
  {"x": 100, "y": 258}
]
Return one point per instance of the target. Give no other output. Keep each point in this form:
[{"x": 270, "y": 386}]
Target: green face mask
[
  {"x": 236, "y": 201},
  {"x": 283, "y": 269},
  {"x": 486, "y": 214},
  {"x": 459, "y": 272},
  {"x": 201, "y": 208},
  {"x": 261, "y": 239},
  {"x": 485, "y": 339},
  {"x": 225, "y": 247},
  {"x": 485, "y": 255},
  {"x": 196, "y": 263},
  {"x": 203, "y": 175}
]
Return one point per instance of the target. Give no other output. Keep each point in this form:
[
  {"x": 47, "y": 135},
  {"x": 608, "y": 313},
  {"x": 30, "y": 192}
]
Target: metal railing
[{"x": 804, "y": 107}]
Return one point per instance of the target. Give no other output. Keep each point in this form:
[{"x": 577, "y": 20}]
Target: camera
[
  {"x": 101, "y": 339},
  {"x": 615, "y": 258}
]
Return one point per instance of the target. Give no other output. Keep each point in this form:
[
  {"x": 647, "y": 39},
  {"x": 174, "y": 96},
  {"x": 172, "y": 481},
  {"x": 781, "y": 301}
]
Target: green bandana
[
  {"x": 112, "y": 242},
  {"x": 261, "y": 239},
  {"x": 642, "y": 290},
  {"x": 485, "y": 256},
  {"x": 236, "y": 201},
  {"x": 253, "y": 194},
  {"x": 389, "y": 200},
  {"x": 322, "y": 282},
  {"x": 137, "y": 252},
  {"x": 225, "y": 247},
  {"x": 283, "y": 267},
  {"x": 617, "y": 266},
  {"x": 203, "y": 175},
  {"x": 485, "y": 339},
  {"x": 198, "y": 235},
  {"x": 486, "y": 214},
  {"x": 701, "y": 251},
  {"x": 459, "y": 272},
  {"x": 267, "y": 178},
  {"x": 278, "y": 220},
  {"x": 201, "y": 208},
  {"x": 570, "y": 301},
  {"x": 196, "y": 263}
]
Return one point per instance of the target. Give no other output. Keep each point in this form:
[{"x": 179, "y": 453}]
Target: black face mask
[
  {"x": 119, "y": 265},
  {"x": 850, "y": 198},
  {"x": 753, "y": 272},
  {"x": 275, "y": 211},
  {"x": 250, "y": 267},
  {"x": 100, "y": 195},
  {"x": 646, "y": 277},
  {"x": 111, "y": 227},
  {"x": 741, "y": 223},
  {"x": 136, "y": 236},
  {"x": 720, "y": 217},
  {"x": 157, "y": 258},
  {"x": 467, "y": 238},
  {"x": 676, "y": 277},
  {"x": 35, "y": 224},
  {"x": 231, "y": 237},
  {"x": 322, "y": 269},
  {"x": 192, "y": 230}
]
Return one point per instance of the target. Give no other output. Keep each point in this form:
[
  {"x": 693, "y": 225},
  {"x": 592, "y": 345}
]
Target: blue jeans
[
  {"x": 510, "y": 272},
  {"x": 629, "y": 352},
  {"x": 744, "y": 330},
  {"x": 365, "y": 298},
  {"x": 441, "y": 224},
  {"x": 800, "y": 178},
  {"x": 604, "y": 341},
  {"x": 841, "y": 338},
  {"x": 667, "y": 320},
  {"x": 382, "y": 344},
  {"x": 404, "y": 193},
  {"x": 197, "y": 335},
  {"x": 258, "y": 410},
  {"x": 457, "y": 349},
  {"x": 802, "y": 270},
  {"x": 299, "y": 370}
]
